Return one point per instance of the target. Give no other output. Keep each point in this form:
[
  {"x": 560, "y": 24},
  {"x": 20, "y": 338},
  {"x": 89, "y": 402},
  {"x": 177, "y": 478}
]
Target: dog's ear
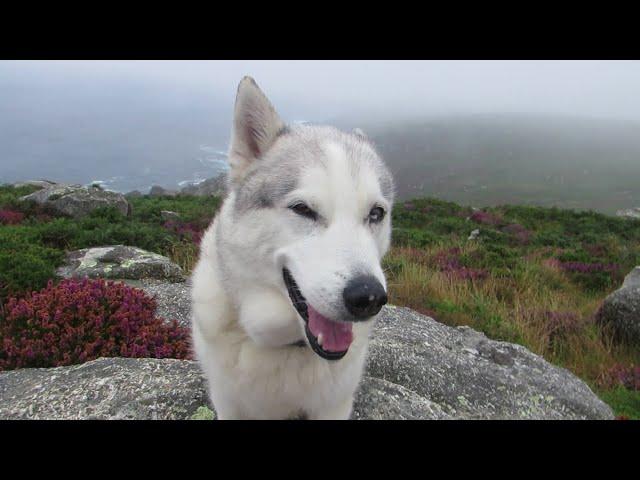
[
  {"x": 359, "y": 133},
  {"x": 256, "y": 125}
]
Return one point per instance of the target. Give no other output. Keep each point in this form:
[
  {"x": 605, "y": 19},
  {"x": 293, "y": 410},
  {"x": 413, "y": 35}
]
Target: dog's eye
[
  {"x": 304, "y": 210},
  {"x": 376, "y": 215}
]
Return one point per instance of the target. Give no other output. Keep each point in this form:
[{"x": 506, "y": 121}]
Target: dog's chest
[{"x": 294, "y": 384}]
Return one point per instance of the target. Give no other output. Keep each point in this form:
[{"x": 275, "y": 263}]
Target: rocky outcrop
[
  {"x": 119, "y": 262},
  {"x": 107, "y": 388},
  {"x": 173, "y": 300},
  {"x": 36, "y": 183},
  {"x": 77, "y": 201},
  {"x": 629, "y": 213},
  {"x": 620, "y": 311},
  {"x": 470, "y": 376},
  {"x": 216, "y": 186},
  {"x": 379, "y": 399},
  {"x": 417, "y": 369},
  {"x": 158, "y": 191}
]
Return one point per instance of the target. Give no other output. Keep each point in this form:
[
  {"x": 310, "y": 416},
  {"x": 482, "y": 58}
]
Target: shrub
[
  {"x": 184, "y": 231},
  {"x": 622, "y": 375},
  {"x": 625, "y": 403},
  {"x": 10, "y": 217},
  {"x": 559, "y": 325},
  {"x": 592, "y": 276},
  {"x": 520, "y": 234},
  {"x": 81, "y": 320},
  {"x": 450, "y": 262},
  {"x": 24, "y": 264},
  {"x": 196, "y": 210},
  {"x": 413, "y": 237},
  {"x": 485, "y": 218}
]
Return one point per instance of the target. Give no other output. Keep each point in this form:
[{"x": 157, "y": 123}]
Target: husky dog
[{"x": 289, "y": 281}]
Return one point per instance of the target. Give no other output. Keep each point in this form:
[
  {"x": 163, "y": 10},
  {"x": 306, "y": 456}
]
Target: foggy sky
[{"x": 332, "y": 88}]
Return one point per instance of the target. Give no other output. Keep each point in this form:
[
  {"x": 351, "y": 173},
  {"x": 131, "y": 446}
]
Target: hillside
[
  {"x": 534, "y": 276},
  {"x": 488, "y": 160}
]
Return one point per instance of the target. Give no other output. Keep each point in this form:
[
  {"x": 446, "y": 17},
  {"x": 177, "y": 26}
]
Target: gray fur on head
[
  {"x": 359, "y": 132},
  {"x": 268, "y": 156}
]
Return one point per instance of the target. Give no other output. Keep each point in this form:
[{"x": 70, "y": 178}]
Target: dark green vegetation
[
  {"x": 534, "y": 276},
  {"x": 31, "y": 250}
]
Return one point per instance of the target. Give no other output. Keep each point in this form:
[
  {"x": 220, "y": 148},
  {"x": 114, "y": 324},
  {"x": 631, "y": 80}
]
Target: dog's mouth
[{"x": 329, "y": 339}]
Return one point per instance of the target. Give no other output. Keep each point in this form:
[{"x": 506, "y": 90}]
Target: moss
[{"x": 203, "y": 413}]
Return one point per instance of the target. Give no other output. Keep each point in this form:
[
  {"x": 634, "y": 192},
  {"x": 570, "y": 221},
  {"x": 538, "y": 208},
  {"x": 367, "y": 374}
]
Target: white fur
[{"x": 243, "y": 319}]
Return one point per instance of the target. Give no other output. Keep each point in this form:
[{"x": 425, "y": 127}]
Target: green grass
[
  {"x": 625, "y": 403},
  {"x": 531, "y": 277},
  {"x": 512, "y": 282}
]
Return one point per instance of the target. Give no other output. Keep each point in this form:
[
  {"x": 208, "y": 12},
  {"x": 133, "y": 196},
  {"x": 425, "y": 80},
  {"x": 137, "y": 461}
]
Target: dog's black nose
[{"x": 364, "y": 296}]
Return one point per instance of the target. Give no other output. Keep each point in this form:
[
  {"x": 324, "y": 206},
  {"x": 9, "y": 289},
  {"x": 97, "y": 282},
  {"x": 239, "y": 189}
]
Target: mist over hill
[
  {"x": 486, "y": 159},
  {"x": 133, "y": 136},
  {"x": 133, "y": 124}
]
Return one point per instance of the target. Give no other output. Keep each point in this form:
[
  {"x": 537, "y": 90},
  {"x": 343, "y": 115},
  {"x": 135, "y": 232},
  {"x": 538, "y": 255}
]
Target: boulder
[
  {"x": 629, "y": 213},
  {"x": 119, "y": 262},
  {"x": 216, "y": 186},
  {"x": 620, "y": 311},
  {"x": 36, "y": 183},
  {"x": 378, "y": 399},
  {"x": 77, "y": 201},
  {"x": 470, "y": 376},
  {"x": 104, "y": 389},
  {"x": 169, "y": 215},
  {"x": 417, "y": 369},
  {"x": 173, "y": 300}
]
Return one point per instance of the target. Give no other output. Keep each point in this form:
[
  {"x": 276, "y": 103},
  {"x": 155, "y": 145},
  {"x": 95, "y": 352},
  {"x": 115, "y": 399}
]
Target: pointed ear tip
[{"x": 246, "y": 81}]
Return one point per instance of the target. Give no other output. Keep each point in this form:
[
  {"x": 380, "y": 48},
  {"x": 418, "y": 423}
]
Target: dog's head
[{"x": 313, "y": 207}]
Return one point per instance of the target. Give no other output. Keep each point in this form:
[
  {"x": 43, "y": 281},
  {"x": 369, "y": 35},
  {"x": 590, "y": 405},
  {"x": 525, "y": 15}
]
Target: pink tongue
[{"x": 336, "y": 337}]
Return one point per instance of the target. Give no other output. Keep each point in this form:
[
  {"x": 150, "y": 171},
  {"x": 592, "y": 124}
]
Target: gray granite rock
[
  {"x": 36, "y": 183},
  {"x": 621, "y": 309},
  {"x": 106, "y": 388},
  {"x": 470, "y": 376},
  {"x": 77, "y": 201},
  {"x": 216, "y": 186},
  {"x": 119, "y": 262},
  {"x": 172, "y": 299},
  {"x": 633, "y": 213},
  {"x": 378, "y": 399},
  {"x": 169, "y": 215}
]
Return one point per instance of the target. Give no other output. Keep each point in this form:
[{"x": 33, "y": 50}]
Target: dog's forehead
[
  {"x": 302, "y": 152},
  {"x": 343, "y": 175},
  {"x": 339, "y": 155}
]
